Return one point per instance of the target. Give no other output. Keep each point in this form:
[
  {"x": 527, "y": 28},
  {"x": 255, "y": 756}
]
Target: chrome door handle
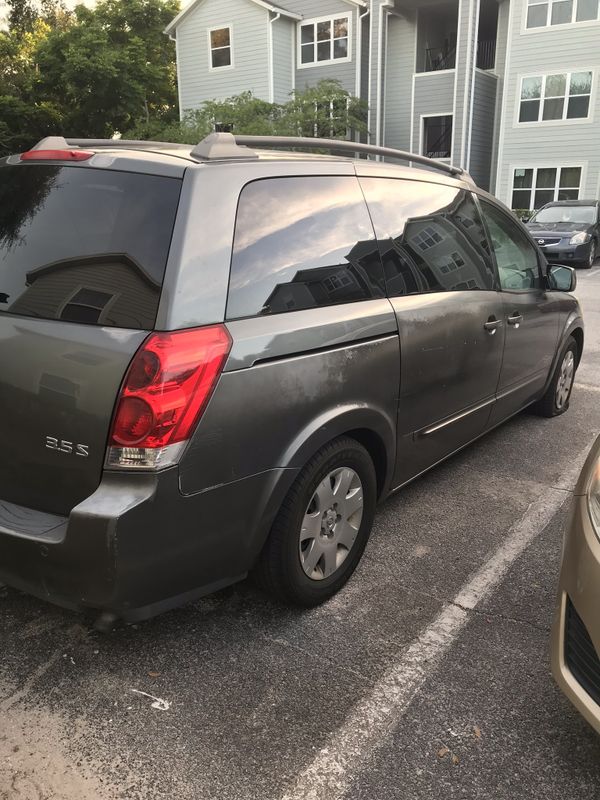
[
  {"x": 492, "y": 325},
  {"x": 515, "y": 319}
]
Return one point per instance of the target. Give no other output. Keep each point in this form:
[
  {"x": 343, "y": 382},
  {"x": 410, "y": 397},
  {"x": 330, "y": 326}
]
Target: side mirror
[
  {"x": 525, "y": 220},
  {"x": 562, "y": 279}
]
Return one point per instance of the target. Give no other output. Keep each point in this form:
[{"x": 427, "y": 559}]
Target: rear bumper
[
  {"x": 137, "y": 546},
  {"x": 580, "y": 587},
  {"x": 564, "y": 253}
]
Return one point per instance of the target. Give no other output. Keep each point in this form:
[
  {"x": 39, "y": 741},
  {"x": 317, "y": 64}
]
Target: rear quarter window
[
  {"x": 84, "y": 245},
  {"x": 302, "y": 242}
]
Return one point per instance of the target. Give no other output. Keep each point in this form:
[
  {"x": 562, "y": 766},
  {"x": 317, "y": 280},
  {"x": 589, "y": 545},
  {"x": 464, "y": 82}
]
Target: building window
[
  {"x": 542, "y": 13},
  {"x": 534, "y": 187},
  {"x": 220, "y": 48},
  {"x": 324, "y": 40},
  {"x": 555, "y": 97},
  {"x": 86, "y": 305},
  {"x": 437, "y": 136}
]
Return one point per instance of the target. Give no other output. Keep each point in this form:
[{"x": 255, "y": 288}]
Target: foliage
[
  {"x": 326, "y": 110},
  {"x": 94, "y": 72}
]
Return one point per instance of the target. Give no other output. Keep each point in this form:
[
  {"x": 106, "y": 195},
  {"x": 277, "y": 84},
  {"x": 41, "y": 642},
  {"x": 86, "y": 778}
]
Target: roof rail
[
  {"x": 344, "y": 146},
  {"x": 60, "y": 143}
]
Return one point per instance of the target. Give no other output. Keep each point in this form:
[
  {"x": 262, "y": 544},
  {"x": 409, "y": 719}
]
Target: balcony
[{"x": 436, "y": 37}]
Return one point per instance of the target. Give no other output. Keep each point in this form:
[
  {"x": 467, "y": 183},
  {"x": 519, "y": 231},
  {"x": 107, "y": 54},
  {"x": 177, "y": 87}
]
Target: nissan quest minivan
[{"x": 218, "y": 359}]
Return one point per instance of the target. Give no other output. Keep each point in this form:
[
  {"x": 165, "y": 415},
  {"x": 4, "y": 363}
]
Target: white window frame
[
  {"x": 422, "y": 134},
  {"x": 558, "y": 166},
  {"x": 564, "y": 120},
  {"x": 573, "y": 23},
  {"x": 211, "y": 48},
  {"x": 314, "y": 21}
]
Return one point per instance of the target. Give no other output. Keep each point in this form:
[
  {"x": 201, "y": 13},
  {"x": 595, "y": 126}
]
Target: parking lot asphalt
[{"x": 426, "y": 677}]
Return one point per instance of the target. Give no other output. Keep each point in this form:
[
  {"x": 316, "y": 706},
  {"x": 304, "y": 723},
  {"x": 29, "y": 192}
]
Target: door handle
[
  {"x": 492, "y": 325},
  {"x": 515, "y": 319}
]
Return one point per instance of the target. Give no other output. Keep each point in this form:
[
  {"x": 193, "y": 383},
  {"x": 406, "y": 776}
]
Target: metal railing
[
  {"x": 486, "y": 54},
  {"x": 439, "y": 58}
]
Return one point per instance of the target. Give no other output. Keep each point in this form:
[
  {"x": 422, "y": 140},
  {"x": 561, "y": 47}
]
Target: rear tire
[
  {"x": 322, "y": 528},
  {"x": 558, "y": 394}
]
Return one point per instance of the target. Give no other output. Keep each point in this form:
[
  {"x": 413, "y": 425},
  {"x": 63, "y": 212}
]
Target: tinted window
[
  {"x": 431, "y": 236},
  {"x": 84, "y": 245},
  {"x": 300, "y": 243},
  {"x": 515, "y": 255}
]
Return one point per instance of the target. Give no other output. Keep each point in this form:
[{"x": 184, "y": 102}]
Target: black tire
[
  {"x": 279, "y": 570},
  {"x": 547, "y": 405},
  {"x": 589, "y": 263}
]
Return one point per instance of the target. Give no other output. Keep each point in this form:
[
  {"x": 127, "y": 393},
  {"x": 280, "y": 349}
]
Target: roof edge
[{"x": 172, "y": 26}]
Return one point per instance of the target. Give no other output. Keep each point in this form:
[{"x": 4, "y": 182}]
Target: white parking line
[
  {"x": 332, "y": 771},
  {"x": 587, "y": 387}
]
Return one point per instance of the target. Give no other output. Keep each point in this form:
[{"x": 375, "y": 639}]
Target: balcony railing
[
  {"x": 486, "y": 54},
  {"x": 439, "y": 58},
  {"x": 441, "y": 147}
]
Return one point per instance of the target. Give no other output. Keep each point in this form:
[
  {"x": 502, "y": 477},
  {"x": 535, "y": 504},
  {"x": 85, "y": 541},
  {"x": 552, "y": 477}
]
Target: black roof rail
[{"x": 343, "y": 145}]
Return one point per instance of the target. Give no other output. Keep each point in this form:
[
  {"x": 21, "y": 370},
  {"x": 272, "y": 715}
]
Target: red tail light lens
[
  {"x": 166, "y": 389},
  {"x": 56, "y": 155}
]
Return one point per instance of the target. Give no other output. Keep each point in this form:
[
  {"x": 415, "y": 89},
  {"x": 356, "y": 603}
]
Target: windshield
[
  {"x": 580, "y": 215},
  {"x": 84, "y": 245}
]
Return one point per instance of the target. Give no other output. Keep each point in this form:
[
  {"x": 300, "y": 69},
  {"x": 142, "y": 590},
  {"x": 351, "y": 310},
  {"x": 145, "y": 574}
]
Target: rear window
[{"x": 84, "y": 245}]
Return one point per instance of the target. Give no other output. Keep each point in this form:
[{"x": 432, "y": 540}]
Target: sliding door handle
[
  {"x": 492, "y": 325},
  {"x": 515, "y": 319}
]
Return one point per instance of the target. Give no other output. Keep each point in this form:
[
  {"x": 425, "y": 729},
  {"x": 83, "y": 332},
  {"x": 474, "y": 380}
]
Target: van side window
[
  {"x": 302, "y": 242},
  {"x": 431, "y": 237},
  {"x": 515, "y": 254}
]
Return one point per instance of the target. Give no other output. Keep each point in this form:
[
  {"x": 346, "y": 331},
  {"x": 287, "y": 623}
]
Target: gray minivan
[{"x": 218, "y": 359}]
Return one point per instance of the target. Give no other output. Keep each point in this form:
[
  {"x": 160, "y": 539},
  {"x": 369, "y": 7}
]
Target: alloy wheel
[
  {"x": 565, "y": 380},
  {"x": 331, "y": 523}
]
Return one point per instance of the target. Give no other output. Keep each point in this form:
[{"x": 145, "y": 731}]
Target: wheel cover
[
  {"x": 331, "y": 523},
  {"x": 565, "y": 380}
]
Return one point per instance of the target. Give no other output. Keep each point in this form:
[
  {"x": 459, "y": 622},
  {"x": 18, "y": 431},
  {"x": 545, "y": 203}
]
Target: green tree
[{"x": 112, "y": 68}]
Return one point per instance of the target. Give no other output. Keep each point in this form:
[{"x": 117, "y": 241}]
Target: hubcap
[
  {"x": 331, "y": 523},
  {"x": 565, "y": 380}
]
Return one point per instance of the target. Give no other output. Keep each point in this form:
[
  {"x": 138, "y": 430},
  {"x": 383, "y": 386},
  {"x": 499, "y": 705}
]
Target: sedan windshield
[{"x": 580, "y": 215}]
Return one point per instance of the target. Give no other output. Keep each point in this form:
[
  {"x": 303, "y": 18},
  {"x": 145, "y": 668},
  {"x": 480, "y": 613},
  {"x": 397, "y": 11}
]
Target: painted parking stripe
[
  {"x": 587, "y": 387},
  {"x": 331, "y": 773}
]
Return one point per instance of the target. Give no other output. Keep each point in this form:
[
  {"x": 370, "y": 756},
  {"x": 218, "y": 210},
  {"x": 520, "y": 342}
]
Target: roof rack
[
  {"x": 343, "y": 146},
  {"x": 228, "y": 146}
]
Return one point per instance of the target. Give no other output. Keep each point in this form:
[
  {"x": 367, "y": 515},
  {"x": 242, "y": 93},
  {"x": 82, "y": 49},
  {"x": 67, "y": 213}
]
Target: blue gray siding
[
  {"x": 249, "y": 24},
  {"x": 433, "y": 94},
  {"x": 284, "y": 42},
  {"x": 399, "y": 81},
  {"x": 482, "y": 127},
  {"x": 545, "y": 51}
]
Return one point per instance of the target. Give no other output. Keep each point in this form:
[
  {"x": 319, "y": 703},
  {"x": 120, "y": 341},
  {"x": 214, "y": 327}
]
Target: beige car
[{"x": 576, "y": 631}]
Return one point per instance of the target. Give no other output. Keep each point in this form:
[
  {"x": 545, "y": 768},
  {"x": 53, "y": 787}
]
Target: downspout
[
  {"x": 359, "y": 34},
  {"x": 173, "y": 38},
  {"x": 370, "y": 91},
  {"x": 383, "y": 8},
  {"x": 474, "y": 51},
  {"x": 271, "y": 70},
  {"x": 359, "y": 51}
]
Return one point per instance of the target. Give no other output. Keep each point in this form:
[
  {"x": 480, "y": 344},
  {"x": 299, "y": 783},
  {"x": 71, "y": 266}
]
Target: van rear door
[{"x": 83, "y": 252}]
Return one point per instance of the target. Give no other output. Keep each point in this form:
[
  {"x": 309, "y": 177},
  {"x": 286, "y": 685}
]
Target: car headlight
[
  {"x": 593, "y": 496},
  {"x": 580, "y": 238}
]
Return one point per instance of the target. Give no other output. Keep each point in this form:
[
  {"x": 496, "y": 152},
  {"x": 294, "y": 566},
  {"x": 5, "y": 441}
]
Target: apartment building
[{"x": 507, "y": 89}]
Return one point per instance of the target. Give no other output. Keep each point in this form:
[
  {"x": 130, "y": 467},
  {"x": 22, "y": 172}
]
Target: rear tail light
[
  {"x": 165, "y": 391},
  {"x": 56, "y": 155}
]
